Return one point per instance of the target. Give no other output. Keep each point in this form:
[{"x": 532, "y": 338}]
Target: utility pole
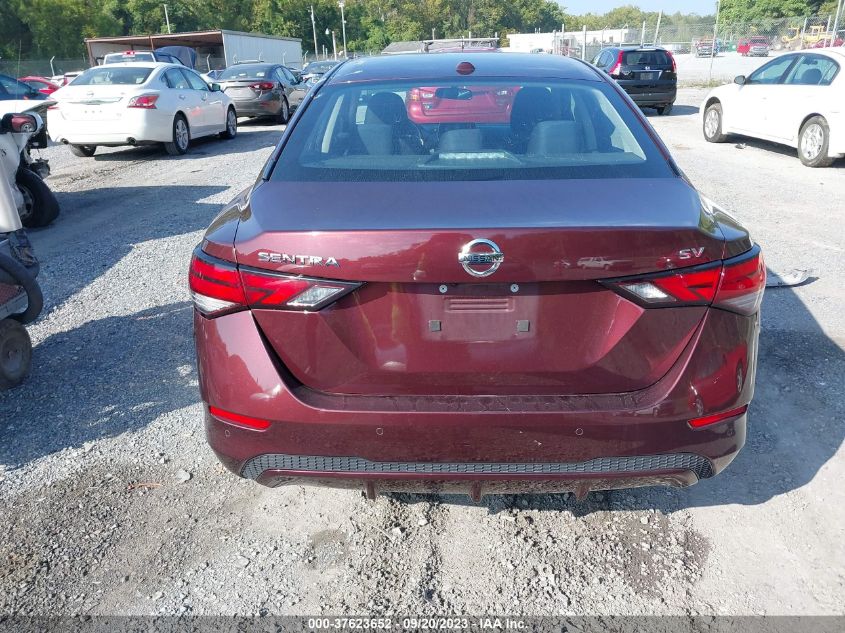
[
  {"x": 167, "y": 19},
  {"x": 334, "y": 43},
  {"x": 343, "y": 26},
  {"x": 314, "y": 28},
  {"x": 713, "y": 46},
  {"x": 836, "y": 21},
  {"x": 657, "y": 30}
]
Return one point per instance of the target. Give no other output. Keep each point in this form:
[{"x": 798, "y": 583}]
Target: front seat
[
  {"x": 530, "y": 106},
  {"x": 387, "y": 128},
  {"x": 811, "y": 77}
]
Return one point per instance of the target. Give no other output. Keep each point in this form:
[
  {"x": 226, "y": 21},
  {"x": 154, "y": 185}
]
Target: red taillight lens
[
  {"x": 219, "y": 287},
  {"x": 263, "y": 85},
  {"x": 615, "y": 68},
  {"x": 414, "y": 94},
  {"x": 145, "y": 102},
  {"x": 743, "y": 284},
  {"x": 674, "y": 64},
  {"x": 707, "y": 420},
  {"x": 735, "y": 284},
  {"x": 215, "y": 285},
  {"x": 238, "y": 419}
]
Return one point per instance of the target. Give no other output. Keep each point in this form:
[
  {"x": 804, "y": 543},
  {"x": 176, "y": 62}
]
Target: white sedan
[
  {"x": 797, "y": 99},
  {"x": 138, "y": 104}
]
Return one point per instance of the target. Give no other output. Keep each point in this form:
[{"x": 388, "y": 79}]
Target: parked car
[
  {"x": 704, "y": 47},
  {"x": 826, "y": 43},
  {"x": 648, "y": 74},
  {"x": 139, "y": 103},
  {"x": 312, "y": 72},
  {"x": 68, "y": 77},
  {"x": 181, "y": 55},
  {"x": 262, "y": 90},
  {"x": 754, "y": 46},
  {"x": 487, "y": 104},
  {"x": 41, "y": 84},
  {"x": 795, "y": 100},
  {"x": 426, "y": 332},
  {"x": 13, "y": 90}
]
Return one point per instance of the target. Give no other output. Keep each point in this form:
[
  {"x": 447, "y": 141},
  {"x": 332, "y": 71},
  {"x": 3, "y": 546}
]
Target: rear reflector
[
  {"x": 237, "y": 419},
  {"x": 219, "y": 287},
  {"x": 707, "y": 420},
  {"x": 735, "y": 284}
]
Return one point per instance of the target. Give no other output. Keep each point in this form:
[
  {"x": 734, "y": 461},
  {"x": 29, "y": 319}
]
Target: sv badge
[{"x": 690, "y": 253}]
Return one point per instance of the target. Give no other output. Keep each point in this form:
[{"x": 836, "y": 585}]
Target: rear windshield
[
  {"x": 114, "y": 58},
  {"x": 113, "y": 76},
  {"x": 246, "y": 71},
  {"x": 646, "y": 58},
  {"x": 458, "y": 130}
]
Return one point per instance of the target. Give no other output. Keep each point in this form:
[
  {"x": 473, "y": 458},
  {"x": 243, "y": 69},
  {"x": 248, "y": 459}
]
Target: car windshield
[
  {"x": 247, "y": 71},
  {"x": 459, "y": 130},
  {"x": 318, "y": 67},
  {"x": 646, "y": 58},
  {"x": 113, "y": 76}
]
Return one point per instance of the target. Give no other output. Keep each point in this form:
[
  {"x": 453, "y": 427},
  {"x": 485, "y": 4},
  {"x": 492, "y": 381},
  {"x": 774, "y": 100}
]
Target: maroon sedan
[{"x": 397, "y": 305}]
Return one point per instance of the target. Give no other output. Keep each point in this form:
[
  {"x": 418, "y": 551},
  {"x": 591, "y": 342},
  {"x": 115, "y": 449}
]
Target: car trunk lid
[{"x": 423, "y": 324}]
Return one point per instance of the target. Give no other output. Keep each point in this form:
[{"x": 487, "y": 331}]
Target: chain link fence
[{"x": 706, "y": 51}]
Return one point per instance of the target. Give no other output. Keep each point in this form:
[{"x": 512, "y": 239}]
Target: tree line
[{"x": 35, "y": 29}]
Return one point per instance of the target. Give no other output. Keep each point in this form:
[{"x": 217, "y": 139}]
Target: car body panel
[
  {"x": 776, "y": 112},
  {"x": 646, "y": 74},
  {"x": 98, "y": 114},
  {"x": 537, "y": 376},
  {"x": 252, "y": 101}
]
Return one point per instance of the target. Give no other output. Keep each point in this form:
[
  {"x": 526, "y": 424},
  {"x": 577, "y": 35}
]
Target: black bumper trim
[{"x": 699, "y": 465}]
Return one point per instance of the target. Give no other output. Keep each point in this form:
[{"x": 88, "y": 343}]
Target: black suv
[{"x": 647, "y": 74}]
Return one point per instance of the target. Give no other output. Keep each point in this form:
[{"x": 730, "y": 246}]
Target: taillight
[
  {"x": 615, "y": 68},
  {"x": 218, "y": 288},
  {"x": 145, "y": 102},
  {"x": 674, "y": 65},
  {"x": 735, "y": 284},
  {"x": 414, "y": 94},
  {"x": 215, "y": 285},
  {"x": 263, "y": 85},
  {"x": 743, "y": 283}
]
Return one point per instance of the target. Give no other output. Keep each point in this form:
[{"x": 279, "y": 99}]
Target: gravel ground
[{"x": 113, "y": 504}]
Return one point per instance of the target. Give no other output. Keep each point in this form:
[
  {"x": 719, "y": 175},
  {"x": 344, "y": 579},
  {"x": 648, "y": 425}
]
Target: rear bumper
[
  {"x": 140, "y": 125},
  {"x": 263, "y": 106},
  {"x": 646, "y": 95},
  {"x": 472, "y": 443}
]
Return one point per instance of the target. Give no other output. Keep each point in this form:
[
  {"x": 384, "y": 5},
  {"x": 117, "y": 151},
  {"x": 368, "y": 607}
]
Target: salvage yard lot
[{"x": 113, "y": 504}]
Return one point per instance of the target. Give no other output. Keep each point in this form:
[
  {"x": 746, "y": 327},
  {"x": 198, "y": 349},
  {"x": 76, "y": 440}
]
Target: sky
[{"x": 702, "y": 7}]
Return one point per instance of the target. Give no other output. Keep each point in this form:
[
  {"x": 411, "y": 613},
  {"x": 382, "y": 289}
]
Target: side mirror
[
  {"x": 215, "y": 87},
  {"x": 740, "y": 80}
]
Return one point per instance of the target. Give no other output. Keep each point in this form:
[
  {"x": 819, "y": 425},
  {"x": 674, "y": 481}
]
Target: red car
[
  {"x": 463, "y": 104},
  {"x": 393, "y": 305},
  {"x": 825, "y": 43},
  {"x": 41, "y": 84},
  {"x": 754, "y": 46}
]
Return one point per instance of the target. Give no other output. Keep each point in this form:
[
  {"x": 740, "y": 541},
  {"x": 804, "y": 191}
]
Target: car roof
[
  {"x": 444, "y": 65},
  {"x": 152, "y": 65}
]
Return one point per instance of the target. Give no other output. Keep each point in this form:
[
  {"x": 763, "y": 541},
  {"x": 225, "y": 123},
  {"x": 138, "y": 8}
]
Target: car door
[
  {"x": 750, "y": 107},
  {"x": 806, "y": 90},
  {"x": 214, "y": 116},
  {"x": 188, "y": 100},
  {"x": 294, "y": 95}
]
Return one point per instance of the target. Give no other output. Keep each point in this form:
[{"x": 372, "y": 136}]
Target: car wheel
[
  {"x": 231, "y": 130},
  {"x": 665, "y": 110},
  {"x": 15, "y": 354},
  {"x": 86, "y": 151},
  {"x": 713, "y": 124},
  {"x": 284, "y": 112},
  {"x": 40, "y": 206},
  {"x": 813, "y": 142},
  {"x": 181, "y": 137}
]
